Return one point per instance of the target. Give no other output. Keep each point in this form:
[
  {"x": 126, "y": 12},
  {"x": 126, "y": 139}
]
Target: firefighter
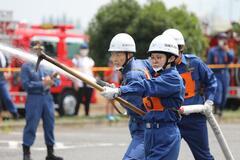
[
  {"x": 221, "y": 54},
  {"x": 4, "y": 93},
  {"x": 163, "y": 96},
  {"x": 197, "y": 77},
  {"x": 122, "y": 48},
  {"x": 39, "y": 105}
]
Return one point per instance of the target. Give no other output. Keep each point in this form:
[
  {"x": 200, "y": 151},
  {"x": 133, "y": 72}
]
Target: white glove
[
  {"x": 110, "y": 93},
  {"x": 209, "y": 107}
]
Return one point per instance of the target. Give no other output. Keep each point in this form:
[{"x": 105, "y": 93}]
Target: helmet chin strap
[
  {"x": 126, "y": 59},
  {"x": 167, "y": 63}
]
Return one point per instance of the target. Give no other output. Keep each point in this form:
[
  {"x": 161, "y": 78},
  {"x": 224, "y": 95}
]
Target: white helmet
[
  {"x": 176, "y": 34},
  {"x": 164, "y": 43},
  {"x": 122, "y": 42}
]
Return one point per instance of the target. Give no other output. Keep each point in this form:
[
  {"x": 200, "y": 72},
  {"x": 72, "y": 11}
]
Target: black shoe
[
  {"x": 50, "y": 155},
  {"x": 26, "y": 153},
  {"x": 53, "y": 157}
]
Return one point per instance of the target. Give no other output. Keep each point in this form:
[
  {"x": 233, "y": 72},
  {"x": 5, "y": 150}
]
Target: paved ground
[{"x": 99, "y": 141}]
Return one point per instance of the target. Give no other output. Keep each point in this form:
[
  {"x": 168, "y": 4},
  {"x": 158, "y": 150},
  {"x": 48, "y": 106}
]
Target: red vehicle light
[{"x": 233, "y": 92}]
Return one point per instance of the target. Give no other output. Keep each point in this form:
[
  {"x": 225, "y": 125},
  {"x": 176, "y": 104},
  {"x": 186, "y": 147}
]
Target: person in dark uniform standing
[
  {"x": 221, "y": 54},
  {"x": 4, "y": 93},
  {"x": 39, "y": 105},
  {"x": 198, "y": 78}
]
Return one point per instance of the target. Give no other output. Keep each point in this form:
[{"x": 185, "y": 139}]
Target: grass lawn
[{"x": 231, "y": 116}]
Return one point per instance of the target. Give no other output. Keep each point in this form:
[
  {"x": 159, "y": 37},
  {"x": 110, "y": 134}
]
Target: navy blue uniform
[
  {"x": 217, "y": 55},
  {"x": 4, "y": 93},
  {"x": 135, "y": 71},
  {"x": 162, "y": 136},
  {"x": 198, "y": 78},
  {"x": 39, "y": 104}
]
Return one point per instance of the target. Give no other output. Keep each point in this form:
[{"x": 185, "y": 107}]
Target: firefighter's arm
[
  {"x": 208, "y": 79},
  {"x": 27, "y": 83},
  {"x": 52, "y": 79},
  {"x": 47, "y": 82},
  {"x": 133, "y": 84},
  {"x": 162, "y": 86},
  {"x": 131, "y": 79}
]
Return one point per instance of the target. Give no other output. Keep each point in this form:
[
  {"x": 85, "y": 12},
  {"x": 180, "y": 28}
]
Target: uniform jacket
[{"x": 168, "y": 87}]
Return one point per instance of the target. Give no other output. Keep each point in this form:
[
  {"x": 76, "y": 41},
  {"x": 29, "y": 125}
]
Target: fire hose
[{"x": 214, "y": 125}]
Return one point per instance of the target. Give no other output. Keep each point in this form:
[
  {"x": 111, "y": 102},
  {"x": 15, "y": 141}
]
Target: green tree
[
  {"x": 143, "y": 23},
  {"x": 189, "y": 25},
  {"x": 151, "y": 22},
  {"x": 236, "y": 27},
  {"x": 154, "y": 18},
  {"x": 110, "y": 19}
]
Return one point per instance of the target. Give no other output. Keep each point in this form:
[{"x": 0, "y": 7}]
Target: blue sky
[{"x": 33, "y": 11}]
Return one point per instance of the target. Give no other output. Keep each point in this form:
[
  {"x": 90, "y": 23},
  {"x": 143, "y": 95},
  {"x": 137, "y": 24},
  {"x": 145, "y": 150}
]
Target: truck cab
[{"x": 61, "y": 44}]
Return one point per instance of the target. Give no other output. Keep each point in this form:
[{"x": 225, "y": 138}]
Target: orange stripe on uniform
[
  {"x": 189, "y": 84},
  {"x": 153, "y": 104}
]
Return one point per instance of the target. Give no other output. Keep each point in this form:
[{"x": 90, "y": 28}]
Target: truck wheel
[{"x": 68, "y": 102}]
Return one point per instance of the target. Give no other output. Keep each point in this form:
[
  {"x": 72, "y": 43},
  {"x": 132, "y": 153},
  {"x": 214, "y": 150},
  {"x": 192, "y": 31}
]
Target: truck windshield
[
  {"x": 50, "y": 48},
  {"x": 73, "y": 48},
  {"x": 73, "y": 45},
  {"x": 49, "y": 43}
]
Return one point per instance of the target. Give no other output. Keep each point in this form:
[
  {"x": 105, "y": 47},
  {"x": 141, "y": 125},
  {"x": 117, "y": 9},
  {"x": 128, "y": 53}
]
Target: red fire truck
[{"x": 60, "y": 43}]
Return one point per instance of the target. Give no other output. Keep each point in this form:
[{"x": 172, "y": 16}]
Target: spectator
[
  {"x": 221, "y": 54},
  {"x": 84, "y": 64},
  {"x": 4, "y": 93}
]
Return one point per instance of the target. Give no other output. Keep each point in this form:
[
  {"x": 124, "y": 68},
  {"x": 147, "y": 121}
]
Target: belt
[
  {"x": 40, "y": 93},
  {"x": 159, "y": 124},
  {"x": 136, "y": 120}
]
